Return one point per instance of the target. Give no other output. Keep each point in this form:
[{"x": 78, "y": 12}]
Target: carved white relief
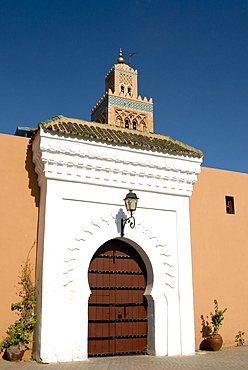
[
  {"x": 165, "y": 253},
  {"x": 78, "y": 159},
  {"x": 75, "y": 253},
  {"x": 85, "y": 239}
]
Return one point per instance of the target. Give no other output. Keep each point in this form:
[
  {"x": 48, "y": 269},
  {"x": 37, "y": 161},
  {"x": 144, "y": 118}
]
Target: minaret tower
[{"x": 121, "y": 105}]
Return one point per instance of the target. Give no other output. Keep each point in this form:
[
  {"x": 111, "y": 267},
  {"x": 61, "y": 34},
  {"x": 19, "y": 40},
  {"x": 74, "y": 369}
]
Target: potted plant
[
  {"x": 19, "y": 334},
  {"x": 214, "y": 339}
]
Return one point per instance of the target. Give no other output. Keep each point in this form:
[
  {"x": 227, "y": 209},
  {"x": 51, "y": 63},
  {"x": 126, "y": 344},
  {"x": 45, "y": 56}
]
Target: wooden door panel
[
  {"x": 101, "y": 313},
  {"x": 130, "y": 328},
  {"x": 102, "y": 297},
  {"x": 129, "y": 296},
  {"x": 126, "y": 264},
  {"x": 100, "y": 346},
  {"x": 128, "y": 280},
  {"x": 130, "y": 345},
  {"x": 117, "y": 308},
  {"x": 124, "y": 345}
]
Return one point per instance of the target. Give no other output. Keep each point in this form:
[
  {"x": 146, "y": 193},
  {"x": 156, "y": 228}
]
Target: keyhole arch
[{"x": 117, "y": 304}]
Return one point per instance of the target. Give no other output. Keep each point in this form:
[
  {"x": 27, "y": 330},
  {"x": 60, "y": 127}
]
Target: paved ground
[{"x": 228, "y": 358}]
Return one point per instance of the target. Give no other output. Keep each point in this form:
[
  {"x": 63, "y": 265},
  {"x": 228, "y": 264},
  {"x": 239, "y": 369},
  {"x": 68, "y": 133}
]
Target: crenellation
[
  {"x": 125, "y": 67},
  {"x": 124, "y": 96},
  {"x": 99, "y": 102},
  {"x": 122, "y": 66},
  {"x": 109, "y": 72}
]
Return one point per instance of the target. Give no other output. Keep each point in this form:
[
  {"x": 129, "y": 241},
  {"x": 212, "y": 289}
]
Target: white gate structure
[{"x": 83, "y": 181}]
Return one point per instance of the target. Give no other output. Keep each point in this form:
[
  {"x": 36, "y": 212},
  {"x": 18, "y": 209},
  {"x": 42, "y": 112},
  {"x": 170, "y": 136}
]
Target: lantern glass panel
[{"x": 131, "y": 204}]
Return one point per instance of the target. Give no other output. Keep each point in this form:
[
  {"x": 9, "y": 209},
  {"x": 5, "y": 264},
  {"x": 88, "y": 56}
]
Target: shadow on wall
[
  {"x": 32, "y": 176},
  {"x": 206, "y": 330},
  {"x": 120, "y": 215}
]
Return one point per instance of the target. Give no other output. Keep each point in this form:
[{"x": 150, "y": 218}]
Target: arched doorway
[{"x": 117, "y": 307}]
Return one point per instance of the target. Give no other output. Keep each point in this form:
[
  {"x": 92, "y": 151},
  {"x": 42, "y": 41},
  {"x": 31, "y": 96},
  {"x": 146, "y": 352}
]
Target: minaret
[{"x": 121, "y": 105}]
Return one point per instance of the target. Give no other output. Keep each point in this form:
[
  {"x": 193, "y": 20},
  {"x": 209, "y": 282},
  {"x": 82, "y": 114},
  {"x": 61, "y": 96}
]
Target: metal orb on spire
[{"x": 120, "y": 59}]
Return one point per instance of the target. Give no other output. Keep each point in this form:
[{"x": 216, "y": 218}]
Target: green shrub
[
  {"x": 217, "y": 317},
  {"x": 22, "y": 329}
]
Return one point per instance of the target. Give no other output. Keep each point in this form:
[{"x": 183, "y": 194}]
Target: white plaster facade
[{"x": 83, "y": 183}]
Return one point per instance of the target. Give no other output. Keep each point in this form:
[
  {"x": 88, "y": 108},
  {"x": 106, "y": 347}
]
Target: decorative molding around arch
[
  {"x": 162, "y": 276},
  {"x": 138, "y": 118},
  {"x": 97, "y": 232},
  {"x": 119, "y": 121}
]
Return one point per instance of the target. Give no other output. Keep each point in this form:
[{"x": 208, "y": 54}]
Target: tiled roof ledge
[{"x": 90, "y": 159}]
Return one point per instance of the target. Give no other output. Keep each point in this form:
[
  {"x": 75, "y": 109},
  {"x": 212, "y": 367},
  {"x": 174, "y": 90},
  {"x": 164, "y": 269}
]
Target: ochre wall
[
  {"x": 219, "y": 240},
  {"x": 220, "y": 250},
  {"x": 19, "y": 199}
]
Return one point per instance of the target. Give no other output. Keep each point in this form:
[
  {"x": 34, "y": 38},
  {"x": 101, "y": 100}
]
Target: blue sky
[{"x": 192, "y": 59}]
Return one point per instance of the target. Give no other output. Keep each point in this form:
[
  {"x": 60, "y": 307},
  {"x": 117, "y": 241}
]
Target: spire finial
[{"x": 120, "y": 59}]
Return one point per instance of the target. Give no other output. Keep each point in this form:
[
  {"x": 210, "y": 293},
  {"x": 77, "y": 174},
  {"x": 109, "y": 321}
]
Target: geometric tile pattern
[
  {"x": 132, "y": 104},
  {"x": 129, "y": 72}
]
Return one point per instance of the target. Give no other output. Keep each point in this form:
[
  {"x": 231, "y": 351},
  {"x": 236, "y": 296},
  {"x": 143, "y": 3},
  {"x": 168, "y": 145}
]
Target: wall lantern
[{"x": 131, "y": 202}]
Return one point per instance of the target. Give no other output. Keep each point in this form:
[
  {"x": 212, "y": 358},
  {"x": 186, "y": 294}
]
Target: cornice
[
  {"x": 117, "y": 135},
  {"x": 84, "y": 160}
]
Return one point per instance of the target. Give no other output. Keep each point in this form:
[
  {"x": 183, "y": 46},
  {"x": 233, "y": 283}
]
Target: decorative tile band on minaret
[{"x": 121, "y": 105}]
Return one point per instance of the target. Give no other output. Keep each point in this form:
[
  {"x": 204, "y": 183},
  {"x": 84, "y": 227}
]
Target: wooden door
[{"x": 117, "y": 307}]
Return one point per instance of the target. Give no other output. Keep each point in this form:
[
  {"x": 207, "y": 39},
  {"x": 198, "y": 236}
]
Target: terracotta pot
[
  {"x": 15, "y": 352},
  {"x": 203, "y": 345},
  {"x": 214, "y": 342}
]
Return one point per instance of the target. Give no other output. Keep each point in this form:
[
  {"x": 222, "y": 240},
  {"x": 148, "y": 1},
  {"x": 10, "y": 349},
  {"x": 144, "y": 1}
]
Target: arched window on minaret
[
  {"x": 143, "y": 125},
  {"x": 134, "y": 124},
  {"x": 126, "y": 123},
  {"x": 122, "y": 88},
  {"x": 129, "y": 90},
  {"x": 119, "y": 121}
]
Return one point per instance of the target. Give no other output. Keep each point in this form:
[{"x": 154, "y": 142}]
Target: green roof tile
[{"x": 115, "y": 134}]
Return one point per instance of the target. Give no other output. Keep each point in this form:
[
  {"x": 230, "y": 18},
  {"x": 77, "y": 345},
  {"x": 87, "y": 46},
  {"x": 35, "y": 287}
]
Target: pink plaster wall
[
  {"x": 220, "y": 250},
  {"x": 19, "y": 198},
  {"x": 219, "y": 240}
]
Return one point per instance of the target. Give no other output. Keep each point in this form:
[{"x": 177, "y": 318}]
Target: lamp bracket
[{"x": 130, "y": 220}]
